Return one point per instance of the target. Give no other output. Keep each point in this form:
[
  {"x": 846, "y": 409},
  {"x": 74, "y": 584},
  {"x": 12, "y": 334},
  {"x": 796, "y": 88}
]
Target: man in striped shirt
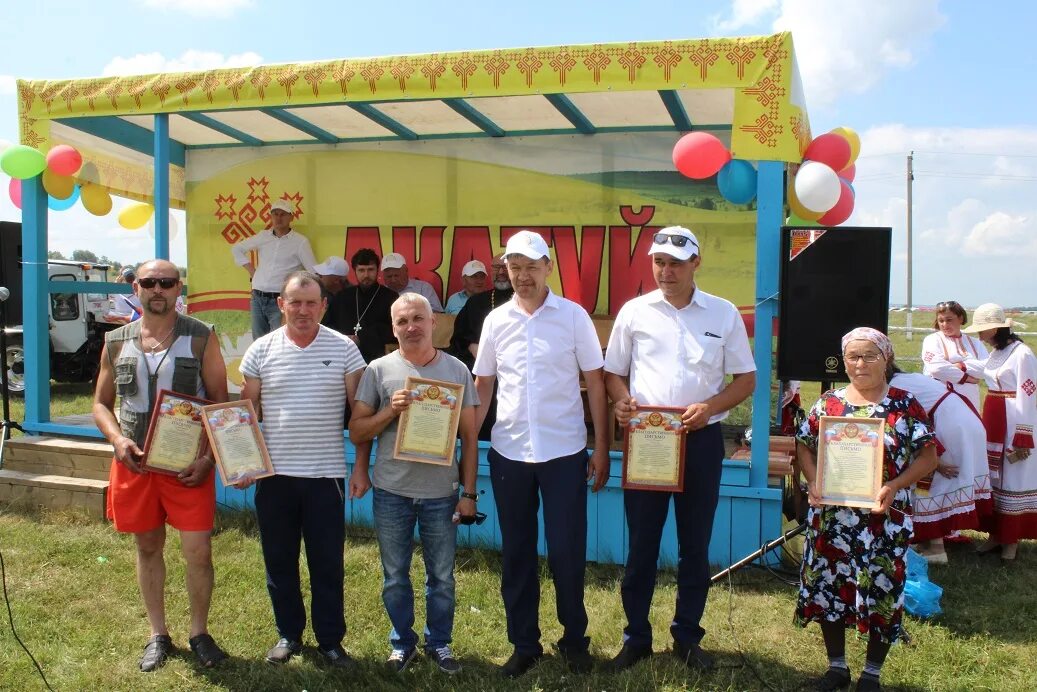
[{"x": 302, "y": 375}]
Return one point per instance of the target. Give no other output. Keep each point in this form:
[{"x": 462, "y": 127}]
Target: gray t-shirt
[{"x": 407, "y": 478}]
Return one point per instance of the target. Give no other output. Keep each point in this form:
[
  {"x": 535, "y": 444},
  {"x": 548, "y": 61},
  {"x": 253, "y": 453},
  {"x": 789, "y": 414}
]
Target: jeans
[
  {"x": 266, "y": 316},
  {"x": 394, "y": 519}
]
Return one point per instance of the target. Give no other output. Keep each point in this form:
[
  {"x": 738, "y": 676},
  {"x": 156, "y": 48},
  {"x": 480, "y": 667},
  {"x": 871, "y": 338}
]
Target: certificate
[
  {"x": 427, "y": 430},
  {"x": 175, "y": 434},
  {"x": 653, "y": 449},
  {"x": 237, "y": 442},
  {"x": 849, "y": 460}
]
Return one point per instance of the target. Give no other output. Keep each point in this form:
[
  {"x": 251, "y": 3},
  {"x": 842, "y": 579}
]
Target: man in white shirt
[
  {"x": 333, "y": 273},
  {"x": 397, "y": 277},
  {"x": 535, "y": 347},
  {"x": 473, "y": 278},
  {"x": 281, "y": 252},
  {"x": 674, "y": 347}
]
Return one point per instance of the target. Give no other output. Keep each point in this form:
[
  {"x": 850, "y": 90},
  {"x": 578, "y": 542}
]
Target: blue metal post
[
  {"x": 35, "y": 319},
  {"x": 770, "y": 197},
  {"x": 161, "y": 162}
]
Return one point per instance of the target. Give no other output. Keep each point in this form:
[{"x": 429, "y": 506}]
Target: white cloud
[
  {"x": 744, "y": 13},
  {"x": 1003, "y": 235},
  {"x": 7, "y": 85},
  {"x": 189, "y": 61},
  {"x": 200, "y": 8}
]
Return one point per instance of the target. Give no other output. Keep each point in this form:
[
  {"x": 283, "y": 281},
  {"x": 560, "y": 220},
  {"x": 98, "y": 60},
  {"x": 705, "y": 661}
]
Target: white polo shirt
[
  {"x": 278, "y": 257},
  {"x": 537, "y": 360},
  {"x": 678, "y": 357}
]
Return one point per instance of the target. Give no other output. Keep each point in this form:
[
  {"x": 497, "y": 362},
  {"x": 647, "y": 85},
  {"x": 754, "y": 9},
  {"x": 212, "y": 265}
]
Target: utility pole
[{"x": 910, "y": 181}]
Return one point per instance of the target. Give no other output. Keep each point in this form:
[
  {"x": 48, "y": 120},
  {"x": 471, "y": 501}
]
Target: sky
[{"x": 950, "y": 81}]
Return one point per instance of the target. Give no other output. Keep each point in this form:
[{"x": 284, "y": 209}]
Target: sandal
[
  {"x": 155, "y": 652},
  {"x": 207, "y": 650}
]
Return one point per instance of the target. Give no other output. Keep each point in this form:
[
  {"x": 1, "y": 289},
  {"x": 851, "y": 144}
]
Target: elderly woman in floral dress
[{"x": 854, "y": 568}]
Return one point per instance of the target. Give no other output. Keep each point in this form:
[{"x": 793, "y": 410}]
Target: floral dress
[{"x": 854, "y": 561}]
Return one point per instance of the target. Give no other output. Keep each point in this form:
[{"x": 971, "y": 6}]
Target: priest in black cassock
[{"x": 361, "y": 312}]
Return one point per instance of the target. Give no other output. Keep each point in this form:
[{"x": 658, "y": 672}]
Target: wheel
[{"x": 15, "y": 364}]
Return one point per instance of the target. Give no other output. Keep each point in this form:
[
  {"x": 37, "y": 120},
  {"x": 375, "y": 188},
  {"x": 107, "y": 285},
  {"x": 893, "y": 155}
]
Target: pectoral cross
[{"x": 356, "y": 329}]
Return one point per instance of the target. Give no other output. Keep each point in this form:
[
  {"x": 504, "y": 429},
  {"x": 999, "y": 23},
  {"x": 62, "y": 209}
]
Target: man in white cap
[
  {"x": 332, "y": 272},
  {"x": 397, "y": 277},
  {"x": 536, "y": 346},
  {"x": 281, "y": 252},
  {"x": 473, "y": 280},
  {"x": 674, "y": 347}
]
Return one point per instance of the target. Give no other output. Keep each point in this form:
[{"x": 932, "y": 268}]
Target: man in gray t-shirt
[{"x": 408, "y": 493}]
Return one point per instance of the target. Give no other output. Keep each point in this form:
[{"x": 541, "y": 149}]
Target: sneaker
[
  {"x": 834, "y": 679},
  {"x": 399, "y": 659},
  {"x": 336, "y": 657},
  {"x": 519, "y": 664},
  {"x": 444, "y": 658},
  {"x": 156, "y": 651},
  {"x": 628, "y": 656},
  {"x": 283, "y": 650},
  {"x": 693, "y": 656}
]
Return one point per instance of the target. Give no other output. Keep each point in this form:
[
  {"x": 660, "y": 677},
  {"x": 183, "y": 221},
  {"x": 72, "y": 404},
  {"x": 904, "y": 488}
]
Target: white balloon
[
  {"x": 174, "y": 229},
  {"x": 817, "y": 186}
]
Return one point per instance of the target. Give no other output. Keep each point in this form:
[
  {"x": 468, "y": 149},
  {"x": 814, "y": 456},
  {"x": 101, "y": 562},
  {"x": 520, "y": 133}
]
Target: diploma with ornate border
[
  {"x": 427, "y": 430},
  {"x": 237, "y": 442},
  {"x": 653, "y": 449},
  {"x": 849, "y": 460},
  {"x": 175, "y": 434}
]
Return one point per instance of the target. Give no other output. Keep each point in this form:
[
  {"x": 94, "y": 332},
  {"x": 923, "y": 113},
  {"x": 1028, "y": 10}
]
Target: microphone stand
[{"x": 6, "y": 424}]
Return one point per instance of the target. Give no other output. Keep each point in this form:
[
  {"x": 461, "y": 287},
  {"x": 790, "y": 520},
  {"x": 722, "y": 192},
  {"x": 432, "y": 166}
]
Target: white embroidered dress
[{"x": 951, "y": 359}]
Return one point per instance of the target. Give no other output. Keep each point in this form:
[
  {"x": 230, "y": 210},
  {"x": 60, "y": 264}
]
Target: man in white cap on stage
[
  {"x": 397, "y": 277},
  {"x": 333, "y": 273},
  {"x": 473, "y": 278}
]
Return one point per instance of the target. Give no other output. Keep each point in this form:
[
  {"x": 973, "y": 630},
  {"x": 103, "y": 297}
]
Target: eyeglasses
[
  {"x": 869, "y": 358},
  {"x": 478, "y": 518},
  {"x": 163, "y": 282},
  {"x": 497, "y": 268},
  {"x": 675, "y": 240}
]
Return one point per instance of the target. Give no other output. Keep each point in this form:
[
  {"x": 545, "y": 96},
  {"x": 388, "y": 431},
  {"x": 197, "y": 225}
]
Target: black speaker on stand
[{"x": 832, "y": 280}]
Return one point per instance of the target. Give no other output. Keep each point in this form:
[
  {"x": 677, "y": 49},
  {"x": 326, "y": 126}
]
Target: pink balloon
[
  {"x": 64, "y": 160},
  {"x": 842, "y": 209},
  {"x": 849, "y": 173},
  {"x": 700, "y": 155},
  {"x": 830, "y": 149},
  {"x": 14, "y": 189}
]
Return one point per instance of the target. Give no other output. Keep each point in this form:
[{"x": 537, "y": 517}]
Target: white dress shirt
[
  {"x": 278, "y": 257},
  {"x": 537, "y": 360},
  {"x": 678, "y": 357},
  {"x": 425, "y": 289}
]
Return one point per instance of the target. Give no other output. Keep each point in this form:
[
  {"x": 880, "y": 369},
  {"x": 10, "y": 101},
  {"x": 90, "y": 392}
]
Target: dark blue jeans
[
  {"x": 694, "y": 509},
  {"x": 517, "y": 489},
  {"x": 292, "y": 510},
  {"x": 394, "y": 519},
  {"x": 266, "y": 316}
]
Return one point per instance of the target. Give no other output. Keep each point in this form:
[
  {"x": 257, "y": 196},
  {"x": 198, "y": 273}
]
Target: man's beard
[
  {"x": 166, "y": 306},
  {"x": 502, "y": 285}
]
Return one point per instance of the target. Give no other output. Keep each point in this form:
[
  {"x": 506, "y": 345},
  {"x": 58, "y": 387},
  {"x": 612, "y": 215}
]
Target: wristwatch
[{"x": 474, "y": 497}]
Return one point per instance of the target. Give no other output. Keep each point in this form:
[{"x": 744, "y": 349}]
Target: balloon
[
  {"x": 699, "y": 155},
  {"x": 737, "y": 181},
  {"x": 830, "y": 149},
  {"x": 135, "y": 216},
  {"x": 14, "y": 189},
  {"x": 842, "y": 209},
  {"x": 174, "y": 230},
  {"x": 817, "y": 186},
  {"x": 22, "y": 162},
  {"x": 849, "y": 173},
  {"x": 88, "y": 173},
  {"x": 64, "y": 160},
  {"x": 58, "y": 186},
  {"x": 96, "y": 199},
  {"x": 797, "y": 208},
  {"x": 63, "y": 204},
  {"x": 852, "y": 138},
  {"x": 794, "y": 220}
]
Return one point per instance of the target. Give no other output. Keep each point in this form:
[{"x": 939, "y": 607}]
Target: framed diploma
[
  {"x": 849, "y": 460},
  {"x": 236, "y": 441},
  {"x": 653, "y": 450},
  {"x": 427, "y": 430},
  {"x": 175, "y": 434}
]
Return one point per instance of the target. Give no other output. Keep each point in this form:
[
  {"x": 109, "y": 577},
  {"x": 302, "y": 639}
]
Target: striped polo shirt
[{"x": 303, "y": 395}]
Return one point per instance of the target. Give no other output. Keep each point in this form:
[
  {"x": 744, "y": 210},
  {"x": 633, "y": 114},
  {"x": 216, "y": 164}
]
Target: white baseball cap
[
  {"x": 393, "y": 260},
  {"x": 473, "y": 268},
  {"x": 283, "y": 205},
  {"x": 685, "y": 251},
  {"x": 527, "y": 243},
  {"x": 333, "y": 266}
]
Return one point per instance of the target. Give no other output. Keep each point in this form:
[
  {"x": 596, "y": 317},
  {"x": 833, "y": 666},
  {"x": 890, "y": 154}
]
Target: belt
[
  {"x": 1001, "y": 395},
  {"x": 265, "y": 294}
]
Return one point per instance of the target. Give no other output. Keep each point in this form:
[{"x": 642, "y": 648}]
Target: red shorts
[{"x": 140, "y": 502}]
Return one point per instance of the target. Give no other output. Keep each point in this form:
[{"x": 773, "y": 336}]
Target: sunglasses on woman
[
  {"x": 947, "y": 305},
  {"x": 163, "y": 282}
]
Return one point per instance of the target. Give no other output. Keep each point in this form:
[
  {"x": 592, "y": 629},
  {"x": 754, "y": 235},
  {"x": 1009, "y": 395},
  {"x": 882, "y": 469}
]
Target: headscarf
[{"x": 876, "y": 337}]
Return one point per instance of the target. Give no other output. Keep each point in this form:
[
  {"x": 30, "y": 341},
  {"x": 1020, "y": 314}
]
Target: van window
[{"x": 64, "y": 306}]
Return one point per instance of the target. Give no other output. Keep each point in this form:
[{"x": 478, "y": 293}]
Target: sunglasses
[
  {"x": 478, "y": 518},
  {"x": 164, "y": 283},
  {"x": 675, "y": 240},
  {"x": 947, "y": 304}
]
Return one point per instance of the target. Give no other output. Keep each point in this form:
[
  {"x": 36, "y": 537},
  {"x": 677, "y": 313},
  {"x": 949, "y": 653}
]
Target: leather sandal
[
  {"x": 207, "y": 650},
  {"x": 156, "y": 651}
]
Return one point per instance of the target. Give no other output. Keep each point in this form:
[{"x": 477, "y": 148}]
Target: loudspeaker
[
  {"x": 11, "y": 268},
  {"x": 832, "y": 280}
]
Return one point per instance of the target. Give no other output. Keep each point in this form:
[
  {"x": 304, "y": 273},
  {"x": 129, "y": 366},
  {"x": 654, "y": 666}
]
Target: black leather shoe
[
  {"x": 867, "y": 683},
  {"x": 693, "y": 656},
  {"x": 155, "y": 652},
  {"x": 579, "y": 661},
  {"x": 336, "y": 657},
  {"x": 519, "y": 664},
  {"x": 628, "y": 657},
  {"x": 283, "y": 650},
  {"x": 834, "y": 679}
]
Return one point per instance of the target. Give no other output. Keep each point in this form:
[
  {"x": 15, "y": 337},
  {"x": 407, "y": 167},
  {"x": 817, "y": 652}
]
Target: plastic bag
[{"x": 921, "y": 596}]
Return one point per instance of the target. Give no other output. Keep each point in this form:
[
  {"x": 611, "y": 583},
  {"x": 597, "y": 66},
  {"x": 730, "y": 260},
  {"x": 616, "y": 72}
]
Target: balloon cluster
[
  {"x": 821, "y": 193},
  {"x": 700, "y": 155},
  {"x": 60, "y": 167}
]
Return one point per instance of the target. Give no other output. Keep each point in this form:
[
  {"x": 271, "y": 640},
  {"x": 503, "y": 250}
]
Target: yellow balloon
[
  {"x": 135, "y": 216},
  {"x": 799, "y": 210},
  {"x": 58, "y": 186},
  {"x": 96, "y": 199},
  {"x": 853, "y": 138}
]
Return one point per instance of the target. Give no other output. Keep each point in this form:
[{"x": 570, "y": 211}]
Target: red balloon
[
  {"x": 700, "y": 155},
  {"x": 830, "y": 149},
  {"x": 849, "y": 173},
  {"x": 64, "y": 160},
  {"x": 842, "y": 209},
  {"x": 14, "y": 189}
]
